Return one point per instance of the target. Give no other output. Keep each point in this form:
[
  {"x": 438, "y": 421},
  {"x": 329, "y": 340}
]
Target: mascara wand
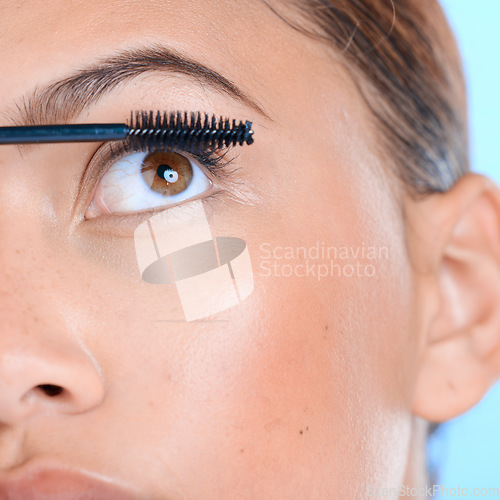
[{"x": 146, "y": 130}]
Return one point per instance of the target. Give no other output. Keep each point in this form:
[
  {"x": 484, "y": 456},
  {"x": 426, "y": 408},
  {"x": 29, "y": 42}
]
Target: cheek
[
  {"x": 308, "y": 378},
  {"x": 339, "y": 348}
]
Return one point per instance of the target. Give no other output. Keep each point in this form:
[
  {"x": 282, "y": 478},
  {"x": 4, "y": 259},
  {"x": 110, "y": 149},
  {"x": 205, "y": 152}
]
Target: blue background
[{"x": 467, "y": 449}]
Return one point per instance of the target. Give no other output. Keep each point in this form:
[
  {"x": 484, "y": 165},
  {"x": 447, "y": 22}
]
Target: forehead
[
  {"x": 42, "y": 41},
  {"x": 43, "y": 18}
]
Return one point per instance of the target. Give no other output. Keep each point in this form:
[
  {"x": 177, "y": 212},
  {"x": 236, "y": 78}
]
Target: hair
[{"x": 406, "y": 64}]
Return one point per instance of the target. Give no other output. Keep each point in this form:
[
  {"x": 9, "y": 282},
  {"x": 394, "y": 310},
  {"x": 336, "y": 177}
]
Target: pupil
[{"x": 166, "y": 172}]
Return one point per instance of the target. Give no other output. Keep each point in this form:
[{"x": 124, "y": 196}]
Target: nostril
[{"x": 50, "y": 390}]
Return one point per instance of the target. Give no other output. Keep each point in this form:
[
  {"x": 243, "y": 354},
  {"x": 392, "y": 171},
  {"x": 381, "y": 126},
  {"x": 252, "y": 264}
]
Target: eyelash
[{"x": 211, "y": 159}]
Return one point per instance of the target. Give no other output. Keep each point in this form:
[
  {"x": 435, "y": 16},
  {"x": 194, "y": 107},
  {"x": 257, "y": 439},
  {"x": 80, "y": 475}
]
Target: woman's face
[{"x": 303, "y": 389}]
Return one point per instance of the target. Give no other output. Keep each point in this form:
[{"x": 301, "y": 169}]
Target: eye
[{"x": 142, "y": 181}]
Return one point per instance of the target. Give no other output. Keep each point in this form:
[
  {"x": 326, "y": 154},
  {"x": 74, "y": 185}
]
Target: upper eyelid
[
  {"x": 109, "y": 152},
  {"x": 216, "y": 160}
]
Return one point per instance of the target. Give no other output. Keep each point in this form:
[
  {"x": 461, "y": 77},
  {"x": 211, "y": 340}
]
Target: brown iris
[{"x": 167, "y": 173}]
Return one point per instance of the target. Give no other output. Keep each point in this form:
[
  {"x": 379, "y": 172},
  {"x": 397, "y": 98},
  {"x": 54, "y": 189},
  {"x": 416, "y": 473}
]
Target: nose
[
  {"x": 43, "y": 374},
  {"x": 45, "y": 368}
]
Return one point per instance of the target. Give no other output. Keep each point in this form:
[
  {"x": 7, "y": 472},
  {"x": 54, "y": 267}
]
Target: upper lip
[{"x": 60, "y": 483}]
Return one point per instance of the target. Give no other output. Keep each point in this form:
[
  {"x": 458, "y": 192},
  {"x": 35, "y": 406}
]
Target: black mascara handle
[{"x": 64, "y": 133}]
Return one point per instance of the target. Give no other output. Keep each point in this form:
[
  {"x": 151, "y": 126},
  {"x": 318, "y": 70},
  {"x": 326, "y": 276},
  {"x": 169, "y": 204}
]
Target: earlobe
[{"x": 460, "y": 357}]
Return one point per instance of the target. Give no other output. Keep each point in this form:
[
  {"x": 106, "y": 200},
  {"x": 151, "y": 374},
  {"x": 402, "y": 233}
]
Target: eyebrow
[{"x": 61, "y": 101}]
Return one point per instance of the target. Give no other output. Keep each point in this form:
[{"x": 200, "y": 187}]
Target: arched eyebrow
[{"x": 62, "y": 101}]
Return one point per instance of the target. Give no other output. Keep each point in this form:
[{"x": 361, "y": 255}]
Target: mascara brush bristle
[{"x": 186, "y": 131}]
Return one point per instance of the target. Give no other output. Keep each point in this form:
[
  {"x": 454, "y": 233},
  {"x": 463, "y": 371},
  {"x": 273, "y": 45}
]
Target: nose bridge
[
  {"x": 32, "y": 261},
  {"x": 26, "y": 256}
]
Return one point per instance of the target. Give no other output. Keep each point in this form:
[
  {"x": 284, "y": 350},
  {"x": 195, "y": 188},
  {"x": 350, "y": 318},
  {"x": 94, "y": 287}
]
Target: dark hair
[{"x": 406, "y": 65}]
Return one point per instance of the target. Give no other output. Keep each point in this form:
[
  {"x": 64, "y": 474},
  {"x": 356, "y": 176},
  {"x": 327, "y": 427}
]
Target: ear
[{"x": 454, "y": 241}]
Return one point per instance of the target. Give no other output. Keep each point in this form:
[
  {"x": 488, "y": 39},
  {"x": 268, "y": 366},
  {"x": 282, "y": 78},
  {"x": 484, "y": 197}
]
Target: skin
[{"x": 307, "y": 389}]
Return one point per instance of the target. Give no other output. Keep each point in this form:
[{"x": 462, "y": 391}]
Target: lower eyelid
[{"x": 124, "y": 225}]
